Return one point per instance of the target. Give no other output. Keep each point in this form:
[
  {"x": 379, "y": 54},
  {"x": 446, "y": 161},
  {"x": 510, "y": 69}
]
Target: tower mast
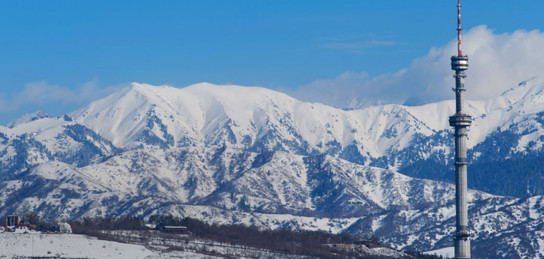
[{"x": 460, "y": 121}]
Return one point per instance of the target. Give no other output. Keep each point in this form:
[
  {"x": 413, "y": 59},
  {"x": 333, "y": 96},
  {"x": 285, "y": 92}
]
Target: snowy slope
[
  {"x": 273, "y": 190},
  {"x": 48, "y": 139}
]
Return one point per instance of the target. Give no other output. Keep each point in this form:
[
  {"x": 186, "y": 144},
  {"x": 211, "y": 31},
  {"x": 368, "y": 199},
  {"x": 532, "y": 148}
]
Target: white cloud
[
  {"x": 41, "y": 95},
  {"x": 496, "y": 62},
  {"x": 37, "y": 93}
]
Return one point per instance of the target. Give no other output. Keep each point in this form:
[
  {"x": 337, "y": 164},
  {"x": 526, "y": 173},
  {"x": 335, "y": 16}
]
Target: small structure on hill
[
  {"x": 13, "y": 221},
  {"x": 172, "y": 229}
]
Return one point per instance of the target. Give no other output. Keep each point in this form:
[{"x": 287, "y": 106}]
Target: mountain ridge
[{"x": 254, "y": 156}]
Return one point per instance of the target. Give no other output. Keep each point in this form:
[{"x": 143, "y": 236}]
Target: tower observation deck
[{"x": 460, "y": 121}]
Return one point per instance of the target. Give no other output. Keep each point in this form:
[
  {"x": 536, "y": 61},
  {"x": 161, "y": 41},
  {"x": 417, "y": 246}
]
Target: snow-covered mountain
[
  {"x": 231, "y": 154},
  {"x": 258, "y": 118},
  {"x": 415, "y": 140}
]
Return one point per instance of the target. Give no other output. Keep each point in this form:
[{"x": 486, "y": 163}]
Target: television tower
[{"x": 460, "y": 121}]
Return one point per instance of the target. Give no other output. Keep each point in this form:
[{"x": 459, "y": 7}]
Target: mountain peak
[
  {"x": 241, "y": 93},
  {"x": 28, "y": 118},
  {"x": 526, "y": 86},
  {"x": 170, "y": 114},
  {"x": 144, "y": 86}
]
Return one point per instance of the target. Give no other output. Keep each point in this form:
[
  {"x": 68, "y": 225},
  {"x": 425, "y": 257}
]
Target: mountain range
[{"x": 250, "y": 155}]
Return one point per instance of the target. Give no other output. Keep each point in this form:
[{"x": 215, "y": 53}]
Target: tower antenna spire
[{"x": 459, "y": 29}]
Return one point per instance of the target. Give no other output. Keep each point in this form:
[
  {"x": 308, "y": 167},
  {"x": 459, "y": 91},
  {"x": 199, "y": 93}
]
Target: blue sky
[{"x": 86, "y": 49}]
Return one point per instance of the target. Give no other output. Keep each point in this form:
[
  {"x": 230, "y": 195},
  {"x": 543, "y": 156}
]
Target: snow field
[{"x": 66, "y": 246}]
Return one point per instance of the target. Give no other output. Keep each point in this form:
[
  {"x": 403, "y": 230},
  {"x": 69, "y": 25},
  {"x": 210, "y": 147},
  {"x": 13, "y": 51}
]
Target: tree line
[{"x": 306, "y": 243}]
